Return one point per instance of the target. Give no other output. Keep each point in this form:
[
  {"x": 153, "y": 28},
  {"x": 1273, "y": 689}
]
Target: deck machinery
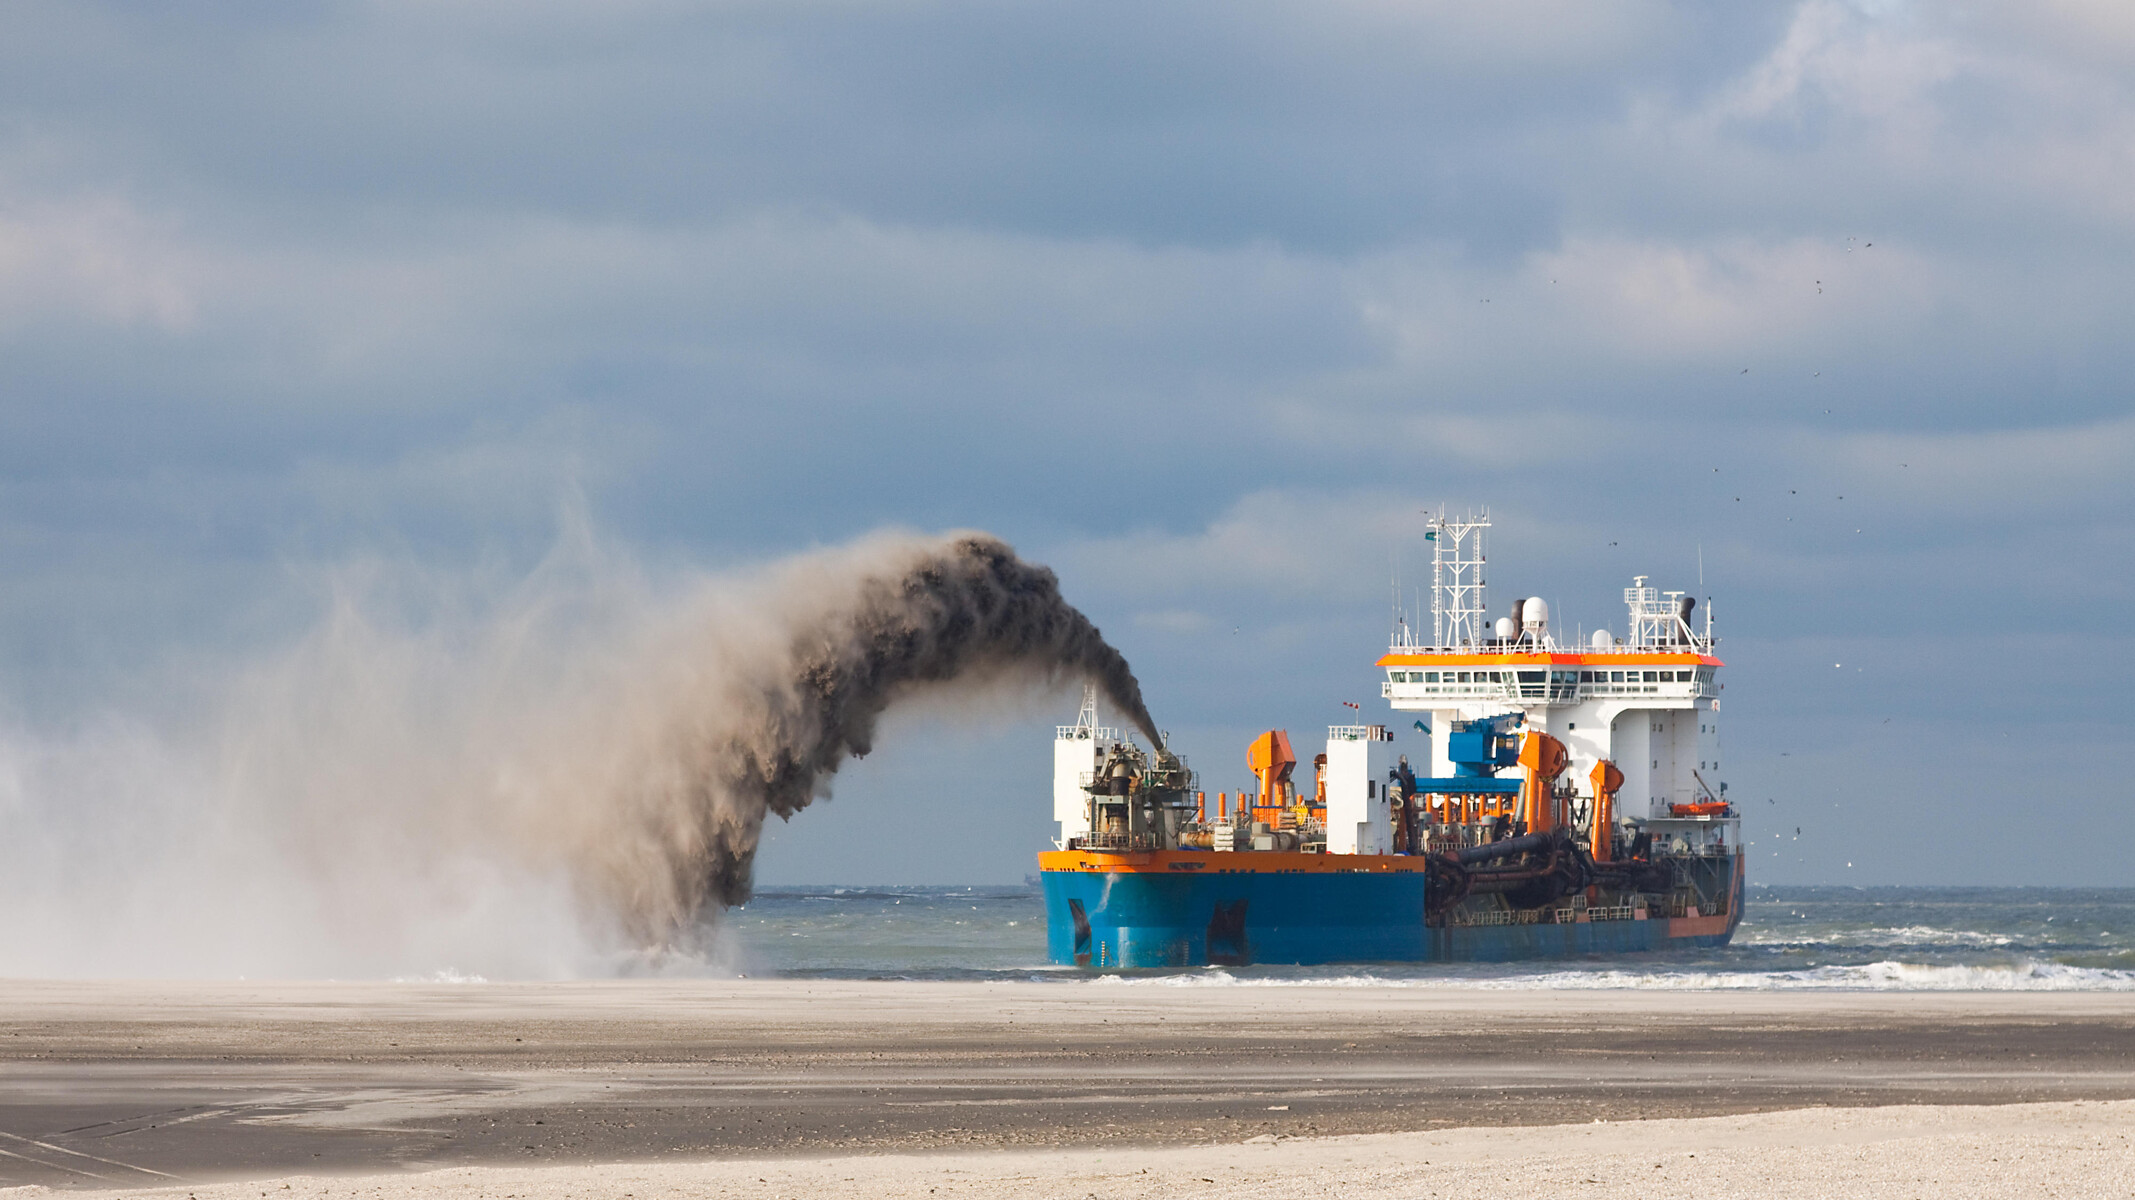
[{"x": 1562, "y": 807}]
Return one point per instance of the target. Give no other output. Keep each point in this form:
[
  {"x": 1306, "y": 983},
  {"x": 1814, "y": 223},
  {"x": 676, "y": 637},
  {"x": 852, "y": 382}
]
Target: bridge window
[
  {"x": 1650, "y": 675},
  {"x": 1530, "y": 676}
]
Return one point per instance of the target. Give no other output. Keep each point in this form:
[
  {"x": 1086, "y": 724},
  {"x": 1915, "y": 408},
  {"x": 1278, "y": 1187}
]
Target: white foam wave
[
  {"x": 1887, "y": 937},
  {"x": 446, "y": 975},
  {"x": 1871, "y": 977}
]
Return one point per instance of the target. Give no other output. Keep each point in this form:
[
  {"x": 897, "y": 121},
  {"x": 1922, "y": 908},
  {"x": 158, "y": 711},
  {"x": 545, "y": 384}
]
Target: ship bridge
[{"x": 1649, "y": 702}]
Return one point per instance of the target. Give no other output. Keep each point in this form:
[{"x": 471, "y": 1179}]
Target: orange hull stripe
[
  {"x": 1696, "y": 926},
  {"x": 1260, "y": 862}
]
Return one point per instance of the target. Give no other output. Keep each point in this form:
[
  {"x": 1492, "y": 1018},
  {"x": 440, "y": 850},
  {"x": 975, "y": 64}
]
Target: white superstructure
[
  {"x": 1360, "y": 815},
  {"x": 1649, "y": 703},
  {"x": 1078, "y": 751}
]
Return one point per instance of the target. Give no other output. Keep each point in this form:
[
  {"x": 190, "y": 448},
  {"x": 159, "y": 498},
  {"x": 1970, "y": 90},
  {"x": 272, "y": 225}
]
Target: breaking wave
[{"x": 1864, "y": 977}]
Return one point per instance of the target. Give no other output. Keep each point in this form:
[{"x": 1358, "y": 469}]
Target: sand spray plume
[
  {"x": 963, "y": 609},
  {"x": 563, "y": 773}
]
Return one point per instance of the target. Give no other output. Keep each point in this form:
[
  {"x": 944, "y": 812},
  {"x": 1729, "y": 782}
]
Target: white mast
[
  {"x": 1087, "y": 718},
  {"x": 1457, "y": 578}
]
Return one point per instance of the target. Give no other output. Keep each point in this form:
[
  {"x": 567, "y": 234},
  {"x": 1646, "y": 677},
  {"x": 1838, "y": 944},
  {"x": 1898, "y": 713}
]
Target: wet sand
[{"x": 138, "y": 1084}]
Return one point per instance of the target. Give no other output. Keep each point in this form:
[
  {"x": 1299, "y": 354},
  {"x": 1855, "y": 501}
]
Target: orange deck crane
[{"x": 1545, "y": 758}]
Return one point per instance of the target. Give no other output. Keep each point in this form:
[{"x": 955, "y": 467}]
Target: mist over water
[{"x": 570, "y": 778}]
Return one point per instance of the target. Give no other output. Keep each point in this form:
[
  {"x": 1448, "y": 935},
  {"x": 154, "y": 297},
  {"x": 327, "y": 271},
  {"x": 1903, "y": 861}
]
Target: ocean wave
[
  {"x": 1864, "y": 977},
  {"x": 1891, "y": 937}
]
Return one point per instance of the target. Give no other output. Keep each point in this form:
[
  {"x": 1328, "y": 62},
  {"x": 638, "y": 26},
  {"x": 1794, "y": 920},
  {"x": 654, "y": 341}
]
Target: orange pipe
[{"x": 1606, "y": 779}]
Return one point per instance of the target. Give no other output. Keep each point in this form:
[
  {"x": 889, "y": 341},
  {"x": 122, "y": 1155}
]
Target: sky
[{"x": 1824, "y": 304}]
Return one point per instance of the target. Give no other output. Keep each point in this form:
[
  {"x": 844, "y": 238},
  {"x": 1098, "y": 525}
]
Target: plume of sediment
[
  {"x": 832, "y": 645},
  {"x": 572, "y": 777}
]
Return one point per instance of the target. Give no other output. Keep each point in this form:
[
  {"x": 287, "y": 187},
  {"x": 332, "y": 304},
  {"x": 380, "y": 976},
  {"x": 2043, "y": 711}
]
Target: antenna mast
[
  {"x": 1087, "y": 718},
  {"x": 1457, "y": 578}
]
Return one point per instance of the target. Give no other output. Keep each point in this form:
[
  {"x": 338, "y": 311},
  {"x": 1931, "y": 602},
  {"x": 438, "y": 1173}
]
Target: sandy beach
[
  {"x": 888, "y": 1088},
  {"x": 2035, "y": 1150}
]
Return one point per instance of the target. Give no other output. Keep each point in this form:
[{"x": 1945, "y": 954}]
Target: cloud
[
  {"x": 1200, "y": 302},
  {"x": 94, "y": 258}
]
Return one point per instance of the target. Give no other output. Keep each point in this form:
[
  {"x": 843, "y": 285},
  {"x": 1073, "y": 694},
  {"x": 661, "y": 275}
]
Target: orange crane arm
[
  {"x": 1271, "y": 760},
  {"x": 1545, "y": 758}
]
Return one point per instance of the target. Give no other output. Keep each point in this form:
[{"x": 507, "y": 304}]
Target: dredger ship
[{"x": 1564, "y": 801}]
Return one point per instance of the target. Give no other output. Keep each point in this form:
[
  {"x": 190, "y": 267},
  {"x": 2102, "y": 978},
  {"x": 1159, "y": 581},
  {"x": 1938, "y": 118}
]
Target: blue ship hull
[{"x": 1140, "y": 918}]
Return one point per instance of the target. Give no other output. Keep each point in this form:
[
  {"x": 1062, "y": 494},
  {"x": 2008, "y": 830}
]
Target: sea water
[{"x": 1836, "y": 938}]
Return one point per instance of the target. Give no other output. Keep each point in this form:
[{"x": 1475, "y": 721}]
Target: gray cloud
[{"x": 1223, "y": 293}]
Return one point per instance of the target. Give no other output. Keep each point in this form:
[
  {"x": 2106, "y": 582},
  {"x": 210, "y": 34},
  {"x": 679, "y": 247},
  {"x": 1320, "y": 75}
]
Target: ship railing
[
  {"x": 1697, "y": 645},
  {"x": 1557, "y": 694},
  {"x": 1491, "y": 916},
  {"x": 1084, "y": 733},
  {"x": 1565, "y": 915},
  {"x": 1443, "y": 837}
]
